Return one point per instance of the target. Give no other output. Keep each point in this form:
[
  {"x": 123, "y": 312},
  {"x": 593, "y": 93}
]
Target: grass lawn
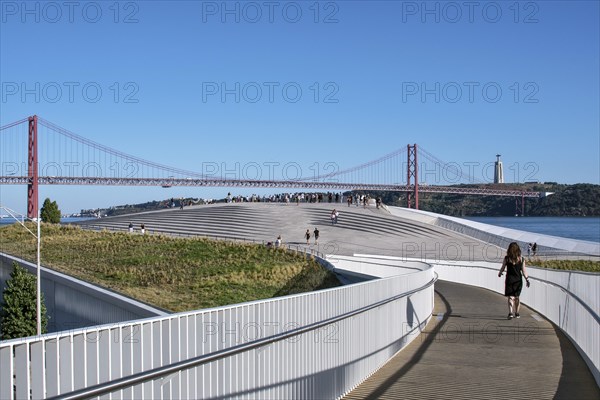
[
  {"x": 572, "y": 265},
  {"x": 176, "y": 274}
]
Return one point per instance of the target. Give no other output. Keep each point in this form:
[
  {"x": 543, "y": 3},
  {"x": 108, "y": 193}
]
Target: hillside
[
  {"x": 577, "y": 200},
  {"x": 566, "y": 200},
  {"x": 142, "y": 207}
]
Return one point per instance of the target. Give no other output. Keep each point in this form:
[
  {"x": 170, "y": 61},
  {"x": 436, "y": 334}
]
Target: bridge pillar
[
  {"x": 412, "y": 171},
  {"x": 520, "y": 210},
  {"x": 32, "y": 170}
]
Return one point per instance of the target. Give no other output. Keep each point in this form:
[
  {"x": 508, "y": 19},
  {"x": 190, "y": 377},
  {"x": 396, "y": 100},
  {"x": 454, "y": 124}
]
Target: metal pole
[
  {"x": 38, "y": 236},
  {"x": 39, "y": 286}
]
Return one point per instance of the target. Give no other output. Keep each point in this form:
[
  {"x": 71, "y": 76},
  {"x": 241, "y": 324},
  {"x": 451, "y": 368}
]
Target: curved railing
[
  {"x": 314, "y": 345},
  {"x": 570, "y": 299}
]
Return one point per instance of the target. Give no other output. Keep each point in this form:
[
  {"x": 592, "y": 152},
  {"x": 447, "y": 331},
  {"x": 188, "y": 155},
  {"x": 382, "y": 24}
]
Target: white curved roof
[{"x": 555, "y": 242}]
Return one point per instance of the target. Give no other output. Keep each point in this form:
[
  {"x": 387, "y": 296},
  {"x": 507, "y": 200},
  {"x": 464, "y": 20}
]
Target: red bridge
[{"x": 71, "y": 159}]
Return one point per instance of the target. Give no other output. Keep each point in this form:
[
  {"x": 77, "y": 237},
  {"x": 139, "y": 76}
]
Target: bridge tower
[
  {"x": 520, "y": 208},
  {"x": 32, "y": 170},
  {"x": 412, "y": 171}
]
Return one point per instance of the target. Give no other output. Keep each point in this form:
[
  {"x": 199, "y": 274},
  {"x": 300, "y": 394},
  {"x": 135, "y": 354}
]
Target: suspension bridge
[
  {"x": 442, "y": 313},
  {"x": 57, "y": 156}
]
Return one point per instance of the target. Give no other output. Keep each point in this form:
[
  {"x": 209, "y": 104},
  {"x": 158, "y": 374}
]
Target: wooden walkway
[{"x": 469, "y": 350}]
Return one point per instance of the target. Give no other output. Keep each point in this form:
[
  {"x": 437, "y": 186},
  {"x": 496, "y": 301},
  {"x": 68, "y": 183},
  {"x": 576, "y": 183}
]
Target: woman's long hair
[{"x": 513, "y": 254}]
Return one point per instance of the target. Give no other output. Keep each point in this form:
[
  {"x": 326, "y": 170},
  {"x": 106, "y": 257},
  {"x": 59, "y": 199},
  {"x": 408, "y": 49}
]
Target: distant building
[{"x": 498, "y": 173}]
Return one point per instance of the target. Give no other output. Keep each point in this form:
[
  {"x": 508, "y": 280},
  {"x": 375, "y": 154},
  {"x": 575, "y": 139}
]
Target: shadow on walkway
[
  {"x": 391, "y": 380},
  {"x": 469, "y": 350},
  {"x": 574, "y": 374}
]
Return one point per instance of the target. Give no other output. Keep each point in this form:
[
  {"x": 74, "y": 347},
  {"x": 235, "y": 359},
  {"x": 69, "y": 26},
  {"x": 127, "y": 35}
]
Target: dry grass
[{"x": 172, "y": 273}]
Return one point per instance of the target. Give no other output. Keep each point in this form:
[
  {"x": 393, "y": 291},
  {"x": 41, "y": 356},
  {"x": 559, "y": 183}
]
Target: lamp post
[
  {"x": 39, "y": 278},
  {"x": 38, "y": 237}
]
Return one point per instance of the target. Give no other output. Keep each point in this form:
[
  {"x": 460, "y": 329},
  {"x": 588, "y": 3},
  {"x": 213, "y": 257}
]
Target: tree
[
  {"x": 50, "y": 212},
  {"x": 18, "y": 317}
]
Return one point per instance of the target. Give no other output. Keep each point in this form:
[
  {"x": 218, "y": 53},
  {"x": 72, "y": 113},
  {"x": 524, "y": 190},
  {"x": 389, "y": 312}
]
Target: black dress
[{"x": 514, "y": 281}]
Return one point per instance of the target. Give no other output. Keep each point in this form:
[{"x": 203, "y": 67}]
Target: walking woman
[{"x": 515, "y": 270}]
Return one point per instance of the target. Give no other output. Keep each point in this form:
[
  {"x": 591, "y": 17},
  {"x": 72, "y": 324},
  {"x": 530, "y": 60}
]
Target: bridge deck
[{"x": 470, "y": 350}]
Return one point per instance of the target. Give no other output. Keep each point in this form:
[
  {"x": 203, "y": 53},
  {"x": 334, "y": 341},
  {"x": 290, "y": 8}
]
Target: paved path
[{"x": 469, "y": 350}]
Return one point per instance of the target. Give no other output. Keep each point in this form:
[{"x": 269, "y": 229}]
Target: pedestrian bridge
[{"x": 412, "y": 328}]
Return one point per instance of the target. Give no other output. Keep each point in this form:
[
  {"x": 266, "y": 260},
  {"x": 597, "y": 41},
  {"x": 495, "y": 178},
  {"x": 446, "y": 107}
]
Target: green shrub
[{"x": 19, "y": 306}]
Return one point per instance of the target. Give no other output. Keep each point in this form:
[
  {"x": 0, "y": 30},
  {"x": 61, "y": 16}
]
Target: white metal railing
[
  {"x": 570, "y": 299},
  {"x": 313, "y": 345}
]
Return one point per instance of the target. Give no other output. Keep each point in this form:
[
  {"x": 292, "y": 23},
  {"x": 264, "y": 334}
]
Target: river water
[
  {"x": 10, "y": 220},
  {"x": 582, "y": 228}
]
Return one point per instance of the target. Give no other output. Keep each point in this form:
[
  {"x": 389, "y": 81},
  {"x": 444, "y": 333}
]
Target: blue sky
[{"x": 374, "y": 77}]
